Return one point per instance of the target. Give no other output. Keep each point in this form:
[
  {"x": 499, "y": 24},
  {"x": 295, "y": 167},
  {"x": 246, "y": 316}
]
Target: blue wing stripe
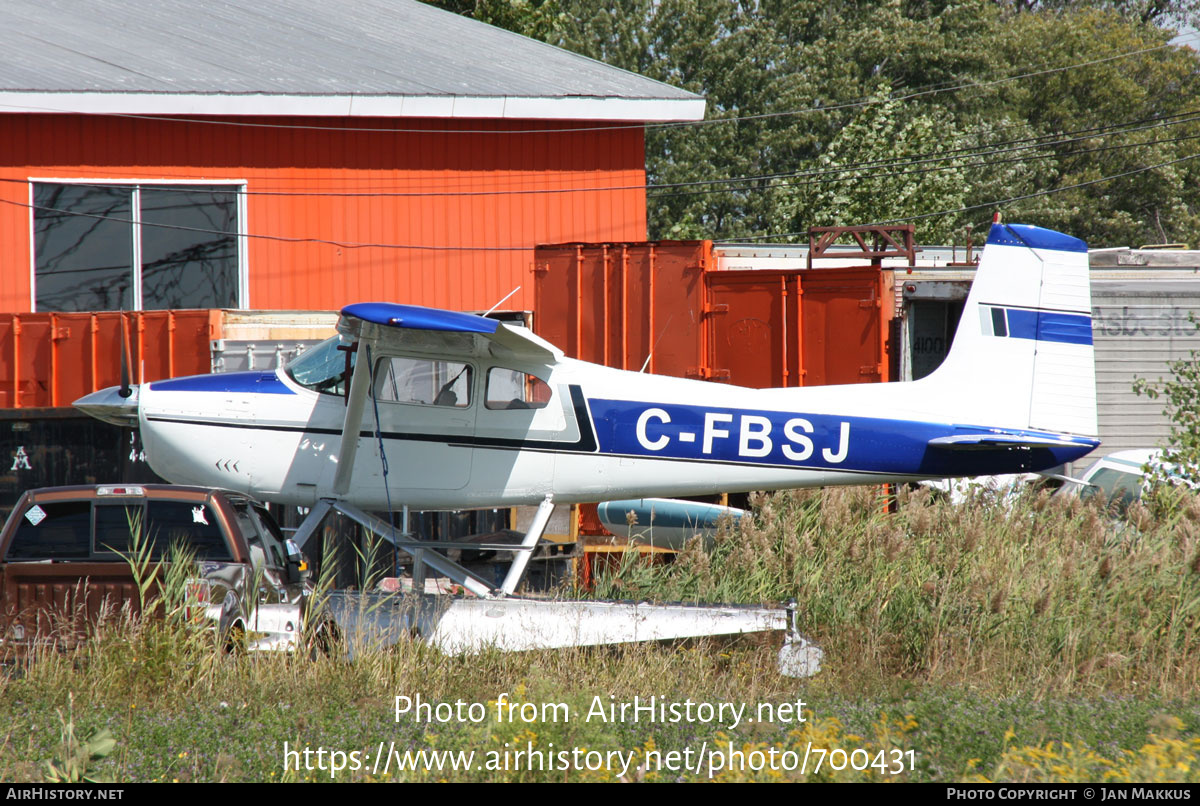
[{"x": 415, "y": 317}]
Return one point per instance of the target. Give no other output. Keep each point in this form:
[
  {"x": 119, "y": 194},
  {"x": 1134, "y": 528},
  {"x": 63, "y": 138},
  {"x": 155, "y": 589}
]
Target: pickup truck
[{"x": 63, "y": 556}]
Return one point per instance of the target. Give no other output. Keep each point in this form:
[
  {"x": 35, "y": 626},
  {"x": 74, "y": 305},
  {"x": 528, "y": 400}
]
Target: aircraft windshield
[{"x": 322, "y": 367}]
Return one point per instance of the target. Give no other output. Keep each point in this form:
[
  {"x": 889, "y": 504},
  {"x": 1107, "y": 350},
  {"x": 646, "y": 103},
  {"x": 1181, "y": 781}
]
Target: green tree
[
  {"x": 537, "y": 19},
  {"x": 1181, "y": 396},
  {"x": 883, "y": 146},
  {"x": 976, "y": 89},
  {"x": 1165, "y": 13},
  {"x": 1160, "y": 83}
]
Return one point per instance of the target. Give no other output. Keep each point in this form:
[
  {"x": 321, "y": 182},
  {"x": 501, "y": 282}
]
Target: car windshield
[
  {"x": 323, "y": 368},
  {"x": 1114, "y": 486}
]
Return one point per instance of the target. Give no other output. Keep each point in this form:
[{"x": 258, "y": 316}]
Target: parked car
[
  {"x": 64, "y": 554},
  {"x": 1004, "y": 487},
  {"x": 1119, "y": 478}
]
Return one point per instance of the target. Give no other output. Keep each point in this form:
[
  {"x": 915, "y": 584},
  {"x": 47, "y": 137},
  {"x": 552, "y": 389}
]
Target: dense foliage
[
  {"x": 1026, "y": 639},
  {"x": 1076, "y": 116},
  {"x": 1181, "y": 405}
]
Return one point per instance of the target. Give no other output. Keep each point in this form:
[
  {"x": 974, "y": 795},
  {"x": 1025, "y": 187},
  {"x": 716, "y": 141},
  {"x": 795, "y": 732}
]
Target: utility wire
[
  {"x": 1021, "y": 144},
  {"x": 853, "y": 175},
  {"x": 517, "y": 248},
  {"x": 996, "y": 203},
  {"x": 927, "y": 91},
  {"x": 283, "y": 238}
]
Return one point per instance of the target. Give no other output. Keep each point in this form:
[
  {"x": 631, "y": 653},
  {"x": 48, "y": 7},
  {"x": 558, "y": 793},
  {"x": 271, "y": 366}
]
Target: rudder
[{"x": 1022, "y": 356}]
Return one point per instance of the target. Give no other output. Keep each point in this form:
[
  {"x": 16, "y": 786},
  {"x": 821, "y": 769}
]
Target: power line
[
  {"x": 283, "y": 238},
  {"x": 853, "y": 174},
  {"x": 423, "y": 247},
  {"x": 1016, "y": 145},
  {"x": 853, "y": 171},
  {"x": 936, "y": 89},
  {"x": 997, "y": 203}
]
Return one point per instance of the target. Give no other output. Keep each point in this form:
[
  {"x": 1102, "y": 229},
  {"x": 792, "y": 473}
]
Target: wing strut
[
  {"x": 418, "y": 549},
  {"x": 521, "y": 559},
  {"x": 425, "y": 552},
  {"x": 360, "y": 387}
]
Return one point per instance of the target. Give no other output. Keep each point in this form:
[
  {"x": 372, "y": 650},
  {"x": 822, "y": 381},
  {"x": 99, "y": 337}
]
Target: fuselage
[
  {"x": 601, "y": 434},
  {"x": 451, "y": 410}
]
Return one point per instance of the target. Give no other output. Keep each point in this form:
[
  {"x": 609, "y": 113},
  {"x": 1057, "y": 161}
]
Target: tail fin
[{"x": 1022, "y": 356}]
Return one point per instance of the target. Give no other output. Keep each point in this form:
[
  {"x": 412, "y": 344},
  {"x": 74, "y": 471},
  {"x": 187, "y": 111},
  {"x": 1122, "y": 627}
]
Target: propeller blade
[{"x": 126, "y": 389}]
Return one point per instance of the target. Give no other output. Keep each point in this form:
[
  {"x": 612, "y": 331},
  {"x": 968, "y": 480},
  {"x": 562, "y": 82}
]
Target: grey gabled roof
[{"x": 335, "y": 57}]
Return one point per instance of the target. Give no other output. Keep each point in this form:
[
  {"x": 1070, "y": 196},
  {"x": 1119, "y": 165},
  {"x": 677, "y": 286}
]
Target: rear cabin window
[
  {"x": 509, "y": 389},
  {"x": 193, "y": 526},
  {"x": 51, "y": 531},
  {"x": 65, "y": 530},
  {"x": 114, "y": 525}
]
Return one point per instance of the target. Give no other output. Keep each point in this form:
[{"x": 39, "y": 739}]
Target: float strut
[{"x": 521, "y": 559}]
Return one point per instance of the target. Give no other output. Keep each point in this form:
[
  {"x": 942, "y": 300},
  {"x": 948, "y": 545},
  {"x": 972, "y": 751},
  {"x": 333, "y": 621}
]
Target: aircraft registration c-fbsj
[{"x": 451, "y": 410}]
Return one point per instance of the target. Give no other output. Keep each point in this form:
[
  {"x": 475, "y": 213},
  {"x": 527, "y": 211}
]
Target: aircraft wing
[{"x": 506, "y": 340}]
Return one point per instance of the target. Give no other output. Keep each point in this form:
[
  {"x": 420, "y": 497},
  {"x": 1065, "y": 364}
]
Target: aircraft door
[
  {"x": 521, "y": 418},
  {"x": 426, "y": 411}
]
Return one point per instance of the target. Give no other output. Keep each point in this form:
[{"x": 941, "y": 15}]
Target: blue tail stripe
[
  {"x": 1034, "y": 238},
  {"x": 1066, "y": 328},
  {"x": 1069, "y": 328}
]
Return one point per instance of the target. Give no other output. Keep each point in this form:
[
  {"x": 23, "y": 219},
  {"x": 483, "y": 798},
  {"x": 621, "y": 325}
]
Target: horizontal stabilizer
[{"x": 966, "y": 442}]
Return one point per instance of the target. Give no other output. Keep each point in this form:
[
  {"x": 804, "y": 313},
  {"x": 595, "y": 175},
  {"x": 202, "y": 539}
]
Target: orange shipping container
[
  {"x": 663, "y": 305},
  {"x": 52, "y": 359}
]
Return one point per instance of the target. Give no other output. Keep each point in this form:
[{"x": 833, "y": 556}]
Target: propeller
[
  {"x": 116, "y": 404},
  {"x": 126, "y": 388}
]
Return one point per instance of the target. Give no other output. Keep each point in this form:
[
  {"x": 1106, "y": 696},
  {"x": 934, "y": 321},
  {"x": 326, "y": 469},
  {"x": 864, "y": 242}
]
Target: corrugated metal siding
[
  {"x": 363, "y": 48},
  {"x": 1138, "y": 330},
  {"x": 617, "y": 303},
  {"x": 626, "y": 304},
  {"x": 51, "y": 359},
  {"x": 289, "y": 270}
]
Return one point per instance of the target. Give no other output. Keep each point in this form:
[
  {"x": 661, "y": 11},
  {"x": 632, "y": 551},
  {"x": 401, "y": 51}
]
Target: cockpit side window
[
  {"x": 423, "y": 382},
  {"x": 509, "y": 389},
  {"x": 323, "y": 367}
]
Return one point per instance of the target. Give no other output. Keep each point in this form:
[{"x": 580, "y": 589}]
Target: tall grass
[
  {"x": 1041, "y": 594},
  {"x": 977, "y": 619}
]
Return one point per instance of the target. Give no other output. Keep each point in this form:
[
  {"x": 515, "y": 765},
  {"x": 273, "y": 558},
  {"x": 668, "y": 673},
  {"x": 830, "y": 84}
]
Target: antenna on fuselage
[
  {"x": 501, "y": 302},
  {"x": 661, "y": 333}
]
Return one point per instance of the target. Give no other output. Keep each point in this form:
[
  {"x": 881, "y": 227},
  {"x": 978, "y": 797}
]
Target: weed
[
  {"x": 76, "y": 757},
  {"x": 1041, "y": 616}
]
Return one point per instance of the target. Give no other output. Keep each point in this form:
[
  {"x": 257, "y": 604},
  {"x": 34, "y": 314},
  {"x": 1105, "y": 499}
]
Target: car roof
[
  {"x": 118, "y": 491},
  {"x": 1135, "y": 458}
]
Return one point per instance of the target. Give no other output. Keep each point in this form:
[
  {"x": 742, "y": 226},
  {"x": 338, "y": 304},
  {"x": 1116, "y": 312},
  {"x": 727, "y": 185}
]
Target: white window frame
[{"x": 238, "y": 186}]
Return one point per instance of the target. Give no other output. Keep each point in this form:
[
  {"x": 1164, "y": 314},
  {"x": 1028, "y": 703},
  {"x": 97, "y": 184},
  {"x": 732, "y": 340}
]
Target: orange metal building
[
  {"x": 333, "y": 217},
  {"x": 298, "y": 154}
]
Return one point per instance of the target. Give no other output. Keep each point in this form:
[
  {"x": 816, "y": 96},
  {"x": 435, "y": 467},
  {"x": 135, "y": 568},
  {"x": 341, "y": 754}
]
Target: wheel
[{"x": 235, "y": 639}]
